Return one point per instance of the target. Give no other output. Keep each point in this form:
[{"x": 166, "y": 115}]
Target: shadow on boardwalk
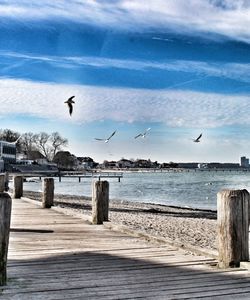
[
  {"x": 53, "y": 256},
  {"x": 122, "y": 274}
]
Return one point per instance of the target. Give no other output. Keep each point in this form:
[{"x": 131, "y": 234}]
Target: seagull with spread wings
[
  {"x": 143, "y": 135},
  {"x": 106, "y": 140},
  {"x": 197, "y": 140},
  {"x": 70, "y": 104}
]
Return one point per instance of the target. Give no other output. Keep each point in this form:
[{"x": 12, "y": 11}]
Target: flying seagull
[
  {"x": 70, "y": 104},
  {"x": 143, "y": 135},
  {"x": 198, "y": 139},
  {"x": 106, "y": 140}
]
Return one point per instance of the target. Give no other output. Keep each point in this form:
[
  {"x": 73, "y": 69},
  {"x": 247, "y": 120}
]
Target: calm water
[{"x": 193, "y": 189}]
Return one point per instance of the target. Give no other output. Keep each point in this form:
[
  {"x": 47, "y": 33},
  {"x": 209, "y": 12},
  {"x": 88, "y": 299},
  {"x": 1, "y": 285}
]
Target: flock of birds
[{"x": 70, "y": 103}]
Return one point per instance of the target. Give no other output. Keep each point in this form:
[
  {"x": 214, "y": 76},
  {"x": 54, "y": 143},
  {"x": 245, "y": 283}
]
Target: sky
[{"x": 178, "y": 67}]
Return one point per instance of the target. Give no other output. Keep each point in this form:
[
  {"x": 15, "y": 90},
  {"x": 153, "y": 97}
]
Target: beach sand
[{"x": 184, "y": 226}]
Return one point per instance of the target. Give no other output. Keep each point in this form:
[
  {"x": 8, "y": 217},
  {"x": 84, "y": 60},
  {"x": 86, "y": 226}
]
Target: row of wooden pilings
[
  {"x": 233, "y": 217},
  {"x": 100, "y": 196}
]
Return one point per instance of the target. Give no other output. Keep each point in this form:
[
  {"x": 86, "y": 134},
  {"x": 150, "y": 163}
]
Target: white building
[{"x": 7, "y": 153}]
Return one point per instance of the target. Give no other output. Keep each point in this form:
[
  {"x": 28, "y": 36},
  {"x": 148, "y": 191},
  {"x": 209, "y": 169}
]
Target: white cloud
[
  {"x": 236, "y": 71},
  {"x": 226, "y": 17},
  {"x": 175, "y": 108}
]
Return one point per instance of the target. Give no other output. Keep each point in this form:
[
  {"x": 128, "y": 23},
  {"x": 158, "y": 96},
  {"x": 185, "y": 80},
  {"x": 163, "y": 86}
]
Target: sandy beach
[{"x": 183, "y": 226}]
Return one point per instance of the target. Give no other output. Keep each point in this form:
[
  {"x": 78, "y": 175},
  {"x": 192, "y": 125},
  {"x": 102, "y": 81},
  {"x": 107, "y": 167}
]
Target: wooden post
[
  {"x": 18, "y": 187},
  {"x": 232, "y": 216},
  {"x": 5, "y": 213},
  {"x": 2, "y": 183},
  {"x": 100, "y": 202},
  {"x": 6, "y": 182},
  {"x": 48, "y": 193}
]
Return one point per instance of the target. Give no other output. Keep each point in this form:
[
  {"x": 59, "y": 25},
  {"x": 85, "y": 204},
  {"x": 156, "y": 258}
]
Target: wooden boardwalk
[{"x": 54, "y": 256}]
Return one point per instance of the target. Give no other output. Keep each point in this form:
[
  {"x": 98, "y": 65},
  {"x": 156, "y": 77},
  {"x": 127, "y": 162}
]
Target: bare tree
[
  {"x": 57, "y": 143},
  {"x": 28, "y": 143},
  {"x": 9, "y": 135},
  {"x": 49, "y": 145},
  {"x": 41, "y": 141}
]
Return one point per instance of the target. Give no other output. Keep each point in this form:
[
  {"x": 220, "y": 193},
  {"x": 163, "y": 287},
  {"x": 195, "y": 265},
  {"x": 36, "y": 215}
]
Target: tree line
[{"x": 46, "y": 144}]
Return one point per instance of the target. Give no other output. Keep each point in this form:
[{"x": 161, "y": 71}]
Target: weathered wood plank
[
  {"x": 48, "y": 193},
  {"x": 100, "y": 201},
  {"x": 76, "y": 260},
  {"x": 2, "y": 183},
  {"x": 17, "y": 186},
  {"x": 233, "y": 228},
  {"x": 5, "y": 216}
]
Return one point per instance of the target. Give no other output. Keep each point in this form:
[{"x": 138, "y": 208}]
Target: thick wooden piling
[
  {"x": 232, "y": 216},
  {"x": 6, "y": 182},
  {"x": 100, "y": 202},
  {"x": 18, "y": 187},
  {"x": 2, "y": 183},
  {"x": 48, "y": 193},
  {"x": 5, "y": 214}
]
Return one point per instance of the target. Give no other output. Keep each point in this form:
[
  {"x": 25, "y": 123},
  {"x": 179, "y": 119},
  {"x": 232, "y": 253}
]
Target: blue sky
[{"x": 179, "y": 67}]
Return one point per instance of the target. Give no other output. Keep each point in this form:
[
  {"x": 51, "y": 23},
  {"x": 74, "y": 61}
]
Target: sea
[{"x": 194, "y": 189}]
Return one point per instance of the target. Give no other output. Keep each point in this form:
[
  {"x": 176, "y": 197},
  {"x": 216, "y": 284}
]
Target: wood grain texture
[
  {"x": 17, "y": 186},
  {"x": 5, "y": 215},
  {"x": 2, "y": 183},
  {"x": 233, "y": 236},
  {"x": 56, "y": 256},
  {"x": 100, "y": 202},
  {"x": 48, "y": 193}
]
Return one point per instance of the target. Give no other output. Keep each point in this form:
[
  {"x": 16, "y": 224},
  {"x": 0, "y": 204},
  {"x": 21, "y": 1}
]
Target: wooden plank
[{"x": 82, "y": 261}]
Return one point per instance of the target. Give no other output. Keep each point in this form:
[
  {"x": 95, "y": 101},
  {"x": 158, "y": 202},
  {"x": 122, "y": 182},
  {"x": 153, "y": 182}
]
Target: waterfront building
[
  {"x": 7, "y": 153},
  {"x": 85, "y": 163},
  {"x": 202, "y": 165},
  {"x": 244, "y": 162},
  {"x": 125, "y": 163},
  {"x": 188, "y": 165}
]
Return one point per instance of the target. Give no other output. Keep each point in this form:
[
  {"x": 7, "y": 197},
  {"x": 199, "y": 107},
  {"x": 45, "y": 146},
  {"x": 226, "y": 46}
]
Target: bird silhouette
[
  {"x": 106, "y": 140},
  {"x": 197, "y": 140},
  {"x": 143, "y": 135},
  {"x": 70, "y": 104}
]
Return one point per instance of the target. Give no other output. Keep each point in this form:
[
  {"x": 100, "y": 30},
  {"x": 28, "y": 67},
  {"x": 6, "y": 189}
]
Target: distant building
[
  {"x": 143, "y": 163},
  {"x": 86, "y": 163},
  {"x": 169, "y": 165},
  {"x": 7, "y": 153},
  {"x": 125, "y": 163},
  {"x": 244, "y": 162},
  {"x": 215, "y": 165},
  {"x": 190, "y": 165},
  {"x": 202, "y": 165},
  {"x": 108, "y": 164}
]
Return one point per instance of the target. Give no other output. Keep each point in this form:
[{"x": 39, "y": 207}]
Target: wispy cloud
[
  {"x": 235, "y": 71},
  {"x": 225, "y": 17},
  {"x": 175, "y": 108}
]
